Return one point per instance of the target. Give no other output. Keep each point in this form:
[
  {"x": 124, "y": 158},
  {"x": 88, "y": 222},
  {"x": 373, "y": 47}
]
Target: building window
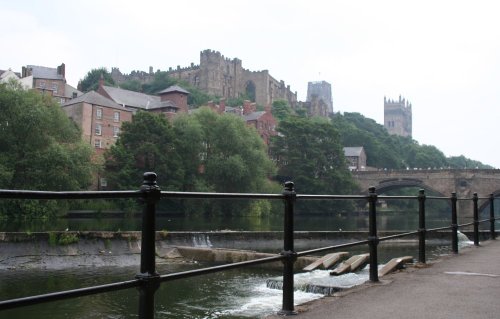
[
  {"x": 104, "y": 182},
  {"x": 62, "y": 101},
  {"x": 97, "y": 143},
  {"x": 98, "y": 114},
  {"x": 98, "y": 129},
  {"x": 42, "y": 84},
  {"x": 116, "y": 131},
  {"x": 54, "y": 87},
  {"x": 116, "y": 117}
]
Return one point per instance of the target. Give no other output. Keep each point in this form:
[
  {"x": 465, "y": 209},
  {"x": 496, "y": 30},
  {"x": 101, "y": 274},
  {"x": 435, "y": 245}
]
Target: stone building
[
  {"x": 356, "y": 158},
  {"x": 320, "y": 90},
  {"x": 398, "y": 117},
  {"x": 315, "y": 107},
  {"x": 223, "y": 77}
]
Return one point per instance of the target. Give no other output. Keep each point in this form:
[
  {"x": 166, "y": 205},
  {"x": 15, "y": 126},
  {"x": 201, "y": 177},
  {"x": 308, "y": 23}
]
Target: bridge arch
[
  {"x": 486, "y": 203},
  {"x": 463, "y": 182},
  {"x": 392, "y": 184}
]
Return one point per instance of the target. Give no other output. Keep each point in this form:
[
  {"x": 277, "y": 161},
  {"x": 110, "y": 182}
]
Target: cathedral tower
[{"x": 397, "y": 117}]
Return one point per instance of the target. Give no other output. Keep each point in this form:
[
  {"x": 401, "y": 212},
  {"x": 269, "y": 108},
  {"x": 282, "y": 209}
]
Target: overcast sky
[{"x": 443, "y": 56}]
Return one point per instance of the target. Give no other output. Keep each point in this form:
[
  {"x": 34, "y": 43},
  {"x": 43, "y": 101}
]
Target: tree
[
  {"x": 281, "y": 110},
  {"x": 234, "y": 159},
  {"x": 235, "y": 156},
  {"x": 391, "y": 151},
  {"x": 91, "y": 80},
  {"x": 464, "y": 162},
  {"x": 145, "y": 144},
  {"x": 40, "y": 149},
  {"x": 200, "y": 152},
  {"x": 312, "y": 156}
]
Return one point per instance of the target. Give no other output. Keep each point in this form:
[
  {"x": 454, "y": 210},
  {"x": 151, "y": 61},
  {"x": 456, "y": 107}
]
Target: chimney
[
  {"x": 253, "y": 107},
  {"x": 61, "y": 70},
  {"x": 247, "y": 107},
  {"x": 222, "y": 105},
  {"x": 101, "y": 81}
]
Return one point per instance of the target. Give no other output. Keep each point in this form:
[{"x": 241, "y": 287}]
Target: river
[{"x": 233, "y": 294}]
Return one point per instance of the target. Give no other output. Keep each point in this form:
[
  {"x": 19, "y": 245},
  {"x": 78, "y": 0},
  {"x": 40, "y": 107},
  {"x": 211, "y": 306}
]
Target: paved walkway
[{"x": 466, "y": 285}]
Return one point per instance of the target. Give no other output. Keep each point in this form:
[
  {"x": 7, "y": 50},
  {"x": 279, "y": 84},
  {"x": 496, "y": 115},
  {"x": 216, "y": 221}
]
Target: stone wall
[{"x": 222, "y": 77}]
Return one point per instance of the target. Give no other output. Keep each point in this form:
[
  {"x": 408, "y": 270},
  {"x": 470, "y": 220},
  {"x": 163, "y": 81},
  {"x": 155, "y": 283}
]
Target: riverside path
[{"x": 466, "y": 285}]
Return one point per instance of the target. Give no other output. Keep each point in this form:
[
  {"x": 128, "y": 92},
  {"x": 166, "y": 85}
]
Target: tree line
[{"x": 42, "y": 149}]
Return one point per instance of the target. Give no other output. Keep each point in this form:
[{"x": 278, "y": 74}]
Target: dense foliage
[
  {"x": 201, "y": 152},
  {"x": 40, "y": 149},
  {"x": 310, "y": 154},
  {"x": 393, "y": 152},
  {"x": 91, "y": 80}
]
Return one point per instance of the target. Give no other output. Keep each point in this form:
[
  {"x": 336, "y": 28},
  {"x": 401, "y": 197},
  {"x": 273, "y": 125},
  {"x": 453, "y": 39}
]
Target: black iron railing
[{"x": 148, "y": 280}]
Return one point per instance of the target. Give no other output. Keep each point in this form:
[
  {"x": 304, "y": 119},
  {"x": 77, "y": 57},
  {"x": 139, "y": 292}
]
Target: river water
[
  {"x": 241, "y": 293},
  {"x": 234, "y": 294}
]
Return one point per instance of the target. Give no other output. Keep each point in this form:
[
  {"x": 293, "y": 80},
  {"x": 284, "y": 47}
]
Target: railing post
[
  {"x": 421, "y": 226},
  {"x": 476, "y": 219},
  {"x": 288, "y": 251},
  {"x": 148, "y": 275},
  {"x": 454, "y": 223},
  {"x": 373, "y": 238},
  {"x": 492, "y": 217}
]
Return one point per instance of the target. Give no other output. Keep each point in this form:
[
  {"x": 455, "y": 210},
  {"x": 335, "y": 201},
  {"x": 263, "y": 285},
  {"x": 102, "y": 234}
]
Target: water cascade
[
  {"x": 320, "y": 281},
  {"x": 201, "y": 240}
]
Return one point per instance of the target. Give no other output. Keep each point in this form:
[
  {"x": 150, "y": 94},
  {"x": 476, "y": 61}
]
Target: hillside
[{"x": 394, "y": 152}]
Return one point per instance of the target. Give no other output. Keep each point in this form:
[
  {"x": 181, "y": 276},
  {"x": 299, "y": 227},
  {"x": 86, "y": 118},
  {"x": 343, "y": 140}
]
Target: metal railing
[{"x": 148, "y": 280}]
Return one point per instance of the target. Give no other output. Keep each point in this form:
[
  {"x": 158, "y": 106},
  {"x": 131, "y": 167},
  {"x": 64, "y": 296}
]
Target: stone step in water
[
  {"x": 352, "y": 264},
  {"x": 326, "y": 261},
  {"x": 393, "y": 264}
]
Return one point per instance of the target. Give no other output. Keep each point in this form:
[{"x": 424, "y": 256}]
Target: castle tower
[
  {"x": 320, "y": 90},
  {"x": 397, "y": 117}
]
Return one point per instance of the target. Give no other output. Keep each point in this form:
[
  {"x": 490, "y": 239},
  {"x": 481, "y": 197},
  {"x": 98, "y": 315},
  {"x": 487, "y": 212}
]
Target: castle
[
  {"x": 321, "y": 90},
  {"x": 397, "y": 117},
  {"x": 223, "y": 77}
]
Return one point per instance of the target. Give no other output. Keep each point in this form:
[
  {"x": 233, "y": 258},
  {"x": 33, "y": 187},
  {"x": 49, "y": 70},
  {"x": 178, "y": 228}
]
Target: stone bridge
[{"x": 441, "y": 182}]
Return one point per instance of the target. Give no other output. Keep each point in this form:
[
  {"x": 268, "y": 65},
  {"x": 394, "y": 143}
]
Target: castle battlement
[
  {"x": 222, "y": 76},
  {"x": 402, "y": 102},
  {"x": 398, "y": 116},
  {"x": 192, "y": 67}
]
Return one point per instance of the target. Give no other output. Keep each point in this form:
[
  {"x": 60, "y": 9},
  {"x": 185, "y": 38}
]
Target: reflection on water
[
  {"x": 232, "y": 294},
  {"x": 352, "y": 222}
]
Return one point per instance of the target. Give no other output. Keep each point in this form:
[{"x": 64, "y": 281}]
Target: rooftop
[{"x": 95, "y": 98}]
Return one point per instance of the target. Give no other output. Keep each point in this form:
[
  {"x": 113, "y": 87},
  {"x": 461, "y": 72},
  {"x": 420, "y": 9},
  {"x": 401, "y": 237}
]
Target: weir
[{"x": 148, "y": 280}]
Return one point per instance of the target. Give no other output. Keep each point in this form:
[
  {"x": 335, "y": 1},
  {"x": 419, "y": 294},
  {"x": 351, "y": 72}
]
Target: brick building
[
  {"x": 169, "y": 102},
  {"x": 99, "y": 118},
  {"x": 263, "y": 121},
  {"x": 49, "y": 81}
]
